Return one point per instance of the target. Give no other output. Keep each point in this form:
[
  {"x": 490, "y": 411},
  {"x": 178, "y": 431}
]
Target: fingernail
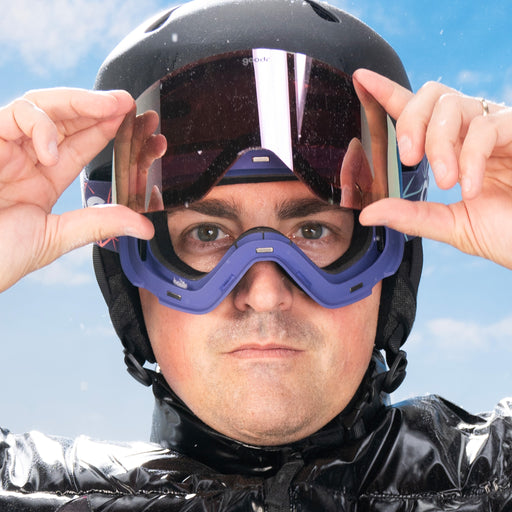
[
  {"x": 404, "y": 145},
  {"x": 374, "y": 219},
  {"x": 465, "y": 184},
  {"x": 53, "y": 149},
  {"x": 379, "y": 221},
  {"x": 129, "y": 231},
  {"x": 440, "y": 170},
  {"x": 135, "y": 233}
]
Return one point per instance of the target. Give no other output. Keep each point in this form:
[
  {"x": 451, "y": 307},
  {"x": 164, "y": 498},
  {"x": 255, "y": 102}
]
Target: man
[{"x": 270, "y": 393}]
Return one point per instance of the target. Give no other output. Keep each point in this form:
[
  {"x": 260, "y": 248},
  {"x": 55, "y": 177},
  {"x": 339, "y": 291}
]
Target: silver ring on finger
[{"x": 485, "y": 107}]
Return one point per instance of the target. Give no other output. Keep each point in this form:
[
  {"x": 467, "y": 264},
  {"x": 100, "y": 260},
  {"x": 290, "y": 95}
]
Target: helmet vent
[
  {"x": 322, "y": 11},
  {"x": 159, "y": 22}
]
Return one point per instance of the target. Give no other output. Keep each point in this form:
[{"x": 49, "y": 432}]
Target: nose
[{"x": 263, "y": 288}]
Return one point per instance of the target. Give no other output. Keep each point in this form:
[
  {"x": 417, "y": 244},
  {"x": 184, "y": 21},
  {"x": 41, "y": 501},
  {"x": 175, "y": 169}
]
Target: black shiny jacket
[{"x": 422, "y": 455}]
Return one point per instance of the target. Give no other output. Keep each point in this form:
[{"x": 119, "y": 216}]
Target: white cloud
[
  {"x": 416, "y": 338},
  {"x": 72, "y": 269},
  {"x": 477, "y": 83},
  {"x": 495, "y": 87},
  {"x": 507, "y": 94},
  {"x": 58, "y": 34},
  {"x": 456, "y": 337},
  {"x": 389, "y": 20},
  {"x": 97, "y": 330},
  {"x": 357, "y": 11},
  {"x": 507, "y": 87},
  {"x": 474, "y": 78}
]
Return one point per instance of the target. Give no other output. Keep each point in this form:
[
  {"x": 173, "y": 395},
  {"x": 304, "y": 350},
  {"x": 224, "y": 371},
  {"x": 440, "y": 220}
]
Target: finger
[
  {"x": 78, "y": 150},
  {"x": 122, "y": 152},
  {"x": 412, "y": 112},
  {"x": 145, "y": 125},
  {"x": 392, "y": 96},
  {"x": 415, "y": 218},
  {"x": 416, "y": 117},
  {"x": 21, "y": 119},
  {"x": 136, "y": 131},
  {"x": 154, "y": 148},
  {"x": 442, "y": 140},
  {"x": 487, "y": 136},
  {"x": 68, "y": 103},
  {"x": 455, "y": 117},
  {"x": 81, "y": 227}
]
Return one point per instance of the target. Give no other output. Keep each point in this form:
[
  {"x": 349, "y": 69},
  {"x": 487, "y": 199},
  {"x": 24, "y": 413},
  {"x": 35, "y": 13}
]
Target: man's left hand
[{"x": 466, "y": 140}]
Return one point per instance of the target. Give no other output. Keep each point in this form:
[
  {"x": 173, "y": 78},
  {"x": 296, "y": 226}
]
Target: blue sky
[{"x": 62, "y": 369}]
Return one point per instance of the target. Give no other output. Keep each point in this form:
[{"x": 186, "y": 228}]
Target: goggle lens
[{"x": 303, "y": 114}]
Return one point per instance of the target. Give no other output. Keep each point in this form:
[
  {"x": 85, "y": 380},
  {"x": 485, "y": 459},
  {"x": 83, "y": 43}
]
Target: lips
[{"x": 264, "y": 351}]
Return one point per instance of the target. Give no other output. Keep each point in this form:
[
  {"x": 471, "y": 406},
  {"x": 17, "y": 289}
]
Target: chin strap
[
  {"x": 137, "y": 371},
  {"x": 396, "y": 359},
  {"x": 396, "y": 373},
  {"x": 397, "y": 312}
]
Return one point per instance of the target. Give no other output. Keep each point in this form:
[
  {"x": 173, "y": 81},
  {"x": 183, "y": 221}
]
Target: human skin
[{"x": 268, "y": 366}]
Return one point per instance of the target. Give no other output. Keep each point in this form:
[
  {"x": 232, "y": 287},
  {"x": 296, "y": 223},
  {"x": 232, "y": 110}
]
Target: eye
[
  {"x": 208, "y": 233},
  {"x": 321, "y": 243},
  {"x": 311, "y": 231}
]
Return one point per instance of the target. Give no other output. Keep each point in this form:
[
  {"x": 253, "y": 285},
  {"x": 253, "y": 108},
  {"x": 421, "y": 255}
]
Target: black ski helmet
[{"x": 200, "y": 29}]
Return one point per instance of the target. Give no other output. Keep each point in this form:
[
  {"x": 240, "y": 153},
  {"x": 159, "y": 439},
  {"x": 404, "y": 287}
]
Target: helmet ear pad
[
  {"x": 398, "y": 301},
  {"x": 123, "y": 303}
]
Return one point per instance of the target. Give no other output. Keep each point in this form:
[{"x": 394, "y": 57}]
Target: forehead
[{"x": 279, "y": 199}]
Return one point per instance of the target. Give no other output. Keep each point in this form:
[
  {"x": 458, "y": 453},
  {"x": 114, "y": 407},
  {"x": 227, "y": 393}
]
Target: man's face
[{"x": 269, "y": 365}]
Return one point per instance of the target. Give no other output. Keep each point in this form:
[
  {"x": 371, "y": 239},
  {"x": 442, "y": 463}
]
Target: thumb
[
  {"x": 415, "y": 218},
  {"x": 81, "y": 227}
]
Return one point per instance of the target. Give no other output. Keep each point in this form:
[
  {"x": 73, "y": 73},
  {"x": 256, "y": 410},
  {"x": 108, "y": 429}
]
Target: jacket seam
[
  {"x": 488, "y": 488},
  {"x": 71, "y": 493}
]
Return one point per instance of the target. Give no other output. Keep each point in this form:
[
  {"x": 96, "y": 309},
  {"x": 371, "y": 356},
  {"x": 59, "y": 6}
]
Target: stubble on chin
[{"x": 266, "y": 402}]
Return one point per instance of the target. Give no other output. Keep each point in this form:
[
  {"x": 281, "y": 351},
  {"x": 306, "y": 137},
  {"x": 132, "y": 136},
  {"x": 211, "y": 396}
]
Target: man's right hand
[{"x": 46, "y": 138}]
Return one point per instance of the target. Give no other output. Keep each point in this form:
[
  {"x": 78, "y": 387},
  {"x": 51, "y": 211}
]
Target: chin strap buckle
[
  {"x": 396, "y": 373},
  {"x": 136, "y": 370}
]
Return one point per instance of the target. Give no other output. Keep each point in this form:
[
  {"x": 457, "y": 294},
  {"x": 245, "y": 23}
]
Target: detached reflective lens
[{"x": 216, "y": 112}]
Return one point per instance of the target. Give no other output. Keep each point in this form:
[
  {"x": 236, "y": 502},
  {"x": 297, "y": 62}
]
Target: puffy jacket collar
[{"x": 177, "y": 428}]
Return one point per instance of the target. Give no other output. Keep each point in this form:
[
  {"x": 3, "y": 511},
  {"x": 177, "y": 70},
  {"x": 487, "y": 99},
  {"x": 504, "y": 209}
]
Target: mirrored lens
[{"x": 210, "y": 114}]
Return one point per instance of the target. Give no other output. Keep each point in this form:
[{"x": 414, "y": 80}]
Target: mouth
[{"x": 269, "y": 351}]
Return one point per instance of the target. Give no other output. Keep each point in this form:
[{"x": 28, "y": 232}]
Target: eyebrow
[
  {"x": 287, "y": 209},
  {"x": 295, "y": 208},
  {"x": 212, "y": 208}
]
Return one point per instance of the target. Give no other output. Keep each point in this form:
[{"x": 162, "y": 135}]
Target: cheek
[
  {"x": 170, "y": 339},
  {"x": 352, "y": 330},
  {"x": 172, "y": 357}
]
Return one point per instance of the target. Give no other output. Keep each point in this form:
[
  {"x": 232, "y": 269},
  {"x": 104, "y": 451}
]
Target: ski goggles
[{"x": 255, "y": 116}]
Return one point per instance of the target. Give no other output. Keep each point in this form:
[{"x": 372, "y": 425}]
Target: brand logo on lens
[{"x": 254, "y": 60}]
